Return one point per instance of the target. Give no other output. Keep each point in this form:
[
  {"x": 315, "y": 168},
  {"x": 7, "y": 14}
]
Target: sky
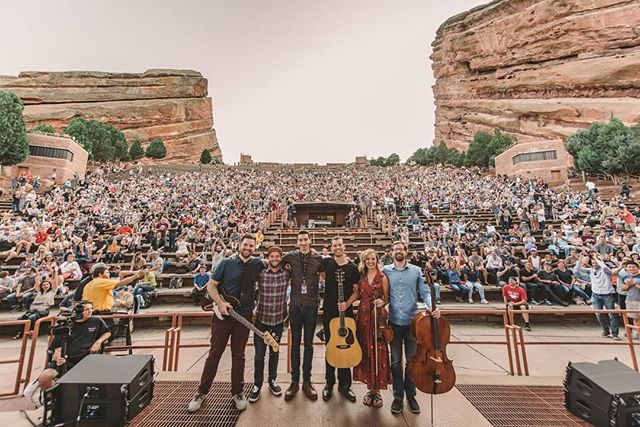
[{"x": 291, "y": 80}]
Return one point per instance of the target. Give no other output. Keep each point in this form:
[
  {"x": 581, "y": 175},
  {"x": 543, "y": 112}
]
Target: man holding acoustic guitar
[{"x": 343, "y": 350}]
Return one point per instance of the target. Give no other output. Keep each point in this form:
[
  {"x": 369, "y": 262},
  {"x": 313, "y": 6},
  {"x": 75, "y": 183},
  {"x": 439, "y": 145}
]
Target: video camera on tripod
[{"x": 64, "y": 324}]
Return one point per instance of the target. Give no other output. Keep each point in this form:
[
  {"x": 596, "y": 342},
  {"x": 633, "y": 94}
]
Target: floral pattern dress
[{"x": 366, "y": 371}]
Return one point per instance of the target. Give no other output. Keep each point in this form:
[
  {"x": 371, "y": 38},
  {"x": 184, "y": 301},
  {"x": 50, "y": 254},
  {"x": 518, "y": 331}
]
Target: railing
[
  {"x": 26, "y": 324},
  {"x": 514, "y": 342}
]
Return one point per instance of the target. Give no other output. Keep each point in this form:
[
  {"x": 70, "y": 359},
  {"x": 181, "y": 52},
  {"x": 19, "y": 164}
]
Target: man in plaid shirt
[{"x": 270, "y": 314}]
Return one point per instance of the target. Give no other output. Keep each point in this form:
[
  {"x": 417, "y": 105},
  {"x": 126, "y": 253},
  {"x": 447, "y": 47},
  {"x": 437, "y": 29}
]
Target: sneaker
[
  {"x": 588, "y": 302},
  {"x": 254, "y": 394},
  {"x": 276, "y": 390},
  {"x": 484, "y": 301},
  {"x": 396, "y": 406},
  {"x": 320, "y": 335},
  {"x": 459, "y": 299},
  {"x": 605, "y": 334},
  {"x": 527, "y": 327},
  {"x": 535, "y": 302},
  {"x": 565, "y": 304},
  {"x": 438, "y": 301},
  {"x": 470, "y": 301},
  {"x": 239, "y": 401},
  {"x": 196, "y": 402},
  {"x": 615, "y": 337},
  {"x": 413, "y": 405},
  {"x": 547, "y": 302}
]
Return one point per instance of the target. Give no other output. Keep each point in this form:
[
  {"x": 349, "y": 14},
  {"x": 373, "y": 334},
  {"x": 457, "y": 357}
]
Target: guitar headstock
[
  {"x": 340, "y": 276},
  {"x": 270, "y": 341}
]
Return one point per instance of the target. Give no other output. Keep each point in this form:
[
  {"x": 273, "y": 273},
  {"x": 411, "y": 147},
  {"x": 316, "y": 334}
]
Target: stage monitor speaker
[
  {"x": 606, "y": 394},
  {"x": 104, "y": 390}
]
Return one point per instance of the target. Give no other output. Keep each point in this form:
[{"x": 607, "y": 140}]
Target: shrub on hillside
[
  {"x": 156, "y": 150},
  {"x": 14, "y": 145}
]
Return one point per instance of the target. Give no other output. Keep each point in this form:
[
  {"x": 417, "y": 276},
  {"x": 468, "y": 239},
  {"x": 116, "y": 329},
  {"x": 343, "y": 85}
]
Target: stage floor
[{"x": 476, "y": 405}]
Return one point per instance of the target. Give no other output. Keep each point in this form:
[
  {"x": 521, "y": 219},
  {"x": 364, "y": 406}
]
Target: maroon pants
[{"x": 221, "y": 330}]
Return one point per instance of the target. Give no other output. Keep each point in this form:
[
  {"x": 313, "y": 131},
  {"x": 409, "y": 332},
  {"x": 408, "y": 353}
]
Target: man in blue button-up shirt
[{"x": 405, "y": 282}]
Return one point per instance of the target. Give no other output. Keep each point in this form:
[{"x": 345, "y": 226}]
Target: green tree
[
  {"x": 392, "y": 160},
  {"x": 103, "y": 141},
  {"x": 605, "y": 148},
  {"x": 380, "y": 161},
  {"x": 205, "y": 157},
  {"x": 136, "y": 151},
  {"x": 79, "y": 130},
  {"x": 419, "y": 157},
  {"x": 43, "y": 128},
  {"x": 14, "y": 145},
  {"x": 485, "y": 147},
  {"x": 156, "y": 150}
]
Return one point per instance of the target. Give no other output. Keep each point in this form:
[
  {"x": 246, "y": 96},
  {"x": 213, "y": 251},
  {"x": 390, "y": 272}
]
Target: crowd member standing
[
  {"x": 303, "y": 312},
  {"x": 602, "y": 293},
  {"x": 373, "y": 290},
  {"x": 99, "y": 291},
  {"x": 237, "y": 278},
  {"x": 405, "y": 282},
  {"x": 270, "y": 314},
  {"x": 332, "y": 309}
]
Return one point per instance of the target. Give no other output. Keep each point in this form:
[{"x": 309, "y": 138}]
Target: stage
[{"x": 477, "y": 402}]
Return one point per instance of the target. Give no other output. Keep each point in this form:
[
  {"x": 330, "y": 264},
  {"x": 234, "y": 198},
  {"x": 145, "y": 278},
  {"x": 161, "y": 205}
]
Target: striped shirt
[{"x": 272, "y": 296}]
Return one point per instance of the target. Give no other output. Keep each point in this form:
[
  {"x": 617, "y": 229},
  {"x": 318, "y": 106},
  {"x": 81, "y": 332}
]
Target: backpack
[
  {"x": 144, "y": 300},
  {"x": 175, "y": 282}
]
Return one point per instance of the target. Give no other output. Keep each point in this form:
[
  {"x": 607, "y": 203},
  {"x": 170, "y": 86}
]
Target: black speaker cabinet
[
  {"x": 105, "y": 390},
  {"x": 606, "y": 394}
]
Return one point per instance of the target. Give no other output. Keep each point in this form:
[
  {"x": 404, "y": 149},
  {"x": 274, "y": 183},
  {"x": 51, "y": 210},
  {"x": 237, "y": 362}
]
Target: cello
[{"x": 430, "y": 369}]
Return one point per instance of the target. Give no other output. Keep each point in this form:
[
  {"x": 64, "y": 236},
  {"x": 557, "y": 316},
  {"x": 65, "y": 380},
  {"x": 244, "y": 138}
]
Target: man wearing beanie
[{"x": 270, "y": 314}]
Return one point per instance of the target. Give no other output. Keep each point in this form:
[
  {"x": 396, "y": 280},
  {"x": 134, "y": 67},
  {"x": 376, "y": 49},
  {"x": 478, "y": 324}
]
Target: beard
[
  {"x": 274, "y": 264},
  {"x": 246, "y": 253},
  {"x": 399, "y": 257}
]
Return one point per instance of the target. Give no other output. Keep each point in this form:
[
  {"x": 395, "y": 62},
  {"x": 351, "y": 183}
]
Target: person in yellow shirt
[{"x": 100, "y": 290}]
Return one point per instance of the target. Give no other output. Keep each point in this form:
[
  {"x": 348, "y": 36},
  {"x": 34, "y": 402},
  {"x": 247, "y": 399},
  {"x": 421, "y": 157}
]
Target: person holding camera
[
  {"x": 82, "y": 335},
  {"x": 40, "y": 306}
]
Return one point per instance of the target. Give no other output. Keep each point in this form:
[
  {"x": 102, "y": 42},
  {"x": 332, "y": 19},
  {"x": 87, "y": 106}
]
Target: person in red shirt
[
  {"x": 41, "y": 236},
  {"x": 125, "y": 229},
  {"x": 515, "y": 298}
]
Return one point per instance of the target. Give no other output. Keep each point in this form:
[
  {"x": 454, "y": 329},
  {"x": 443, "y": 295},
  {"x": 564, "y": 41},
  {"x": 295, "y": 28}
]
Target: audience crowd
[{"x": 465, "y": 229}]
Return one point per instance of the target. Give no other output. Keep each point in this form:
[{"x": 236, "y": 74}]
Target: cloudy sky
[{"x": 291, "y": 80}]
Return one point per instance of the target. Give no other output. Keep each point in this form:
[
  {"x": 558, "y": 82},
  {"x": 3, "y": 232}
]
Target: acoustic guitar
[
  {"x": 343, "y": 349},
  {"x": 208, "y": 304}
]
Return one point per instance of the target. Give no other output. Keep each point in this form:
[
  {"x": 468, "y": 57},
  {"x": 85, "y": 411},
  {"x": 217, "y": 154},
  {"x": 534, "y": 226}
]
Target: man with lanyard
[
  {"x": 270, "y": 314},
  {"x": 405, "y": 282},
  {"x": 303, "y": 312},
  {"x": 237, "y": 277},
  {"x": 332, "y": 307}
]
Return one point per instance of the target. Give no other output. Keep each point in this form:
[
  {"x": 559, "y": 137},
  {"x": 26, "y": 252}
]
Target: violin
[
  {"x": 429, "y": 368},
  {"x": 381, "y": 317}
]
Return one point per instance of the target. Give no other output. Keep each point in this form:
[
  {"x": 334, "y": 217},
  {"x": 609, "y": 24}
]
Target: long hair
[{"x": 362, "y": 268}]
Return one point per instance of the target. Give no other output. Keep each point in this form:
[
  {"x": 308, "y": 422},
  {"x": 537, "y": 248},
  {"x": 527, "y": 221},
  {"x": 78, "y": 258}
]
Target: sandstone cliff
[
  {"x": 171, "y": 104},
  {"x": 538, "y": 69}
]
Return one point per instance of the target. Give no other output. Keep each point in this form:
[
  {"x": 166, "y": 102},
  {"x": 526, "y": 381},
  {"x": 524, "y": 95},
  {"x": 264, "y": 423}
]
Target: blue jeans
[
  {"x": 460, "y": 289},
  {"x": 302, "y": 318},
  {"x": 402, "y": 383},
  {"x": 577, "y": 290},
  {"x": 475, "y": 285},
  {"x": 599, "y": 301},
  {"x": 141, "y": 287}
]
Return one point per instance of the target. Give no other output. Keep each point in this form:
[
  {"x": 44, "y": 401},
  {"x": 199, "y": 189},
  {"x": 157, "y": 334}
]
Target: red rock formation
[
  {"x": 538, "y": 69},
  {"x": 171, "y": 104}
]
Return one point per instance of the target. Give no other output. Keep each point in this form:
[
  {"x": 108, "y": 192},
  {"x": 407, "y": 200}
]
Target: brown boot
[
  {"x": 309, "y": 391},
  {"x": 291, "y": 391}
]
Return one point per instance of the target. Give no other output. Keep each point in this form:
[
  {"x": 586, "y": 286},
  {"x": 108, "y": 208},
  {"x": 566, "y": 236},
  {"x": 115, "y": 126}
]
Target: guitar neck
[{"x": 244, "y": 321}]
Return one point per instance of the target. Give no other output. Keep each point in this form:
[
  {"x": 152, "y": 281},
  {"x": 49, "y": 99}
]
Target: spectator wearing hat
[{"x": 270, "y": 314}]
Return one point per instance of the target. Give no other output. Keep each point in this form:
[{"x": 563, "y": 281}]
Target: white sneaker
[
  {"x": 484, "y": 301},
  {"x": 470, "y": 301},
  {"x": 196, "y": 402},
  {"x": 240, "y": 402}
]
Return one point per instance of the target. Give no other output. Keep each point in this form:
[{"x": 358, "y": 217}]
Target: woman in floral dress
[{"x": 374, "y": 292}]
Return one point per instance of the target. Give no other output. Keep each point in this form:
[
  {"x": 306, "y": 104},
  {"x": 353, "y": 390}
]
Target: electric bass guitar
[
  {"x": 343, "y": 349},
  {"x": 208, "y": 304}
]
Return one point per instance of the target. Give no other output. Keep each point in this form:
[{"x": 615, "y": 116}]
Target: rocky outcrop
[
  {"x": 538, "y": 69},
  {"x": 171, "y": 104}
]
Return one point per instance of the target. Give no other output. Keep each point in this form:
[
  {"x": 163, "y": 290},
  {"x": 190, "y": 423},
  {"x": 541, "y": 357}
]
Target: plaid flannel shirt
[{"x": 272, "y": 297}]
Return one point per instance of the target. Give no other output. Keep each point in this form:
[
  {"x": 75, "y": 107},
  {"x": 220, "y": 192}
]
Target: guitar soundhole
[{"x": 343, "y": 332}]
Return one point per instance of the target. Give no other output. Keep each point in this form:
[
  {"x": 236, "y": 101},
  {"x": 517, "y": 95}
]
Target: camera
[{"x": 64, "y": 325}]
